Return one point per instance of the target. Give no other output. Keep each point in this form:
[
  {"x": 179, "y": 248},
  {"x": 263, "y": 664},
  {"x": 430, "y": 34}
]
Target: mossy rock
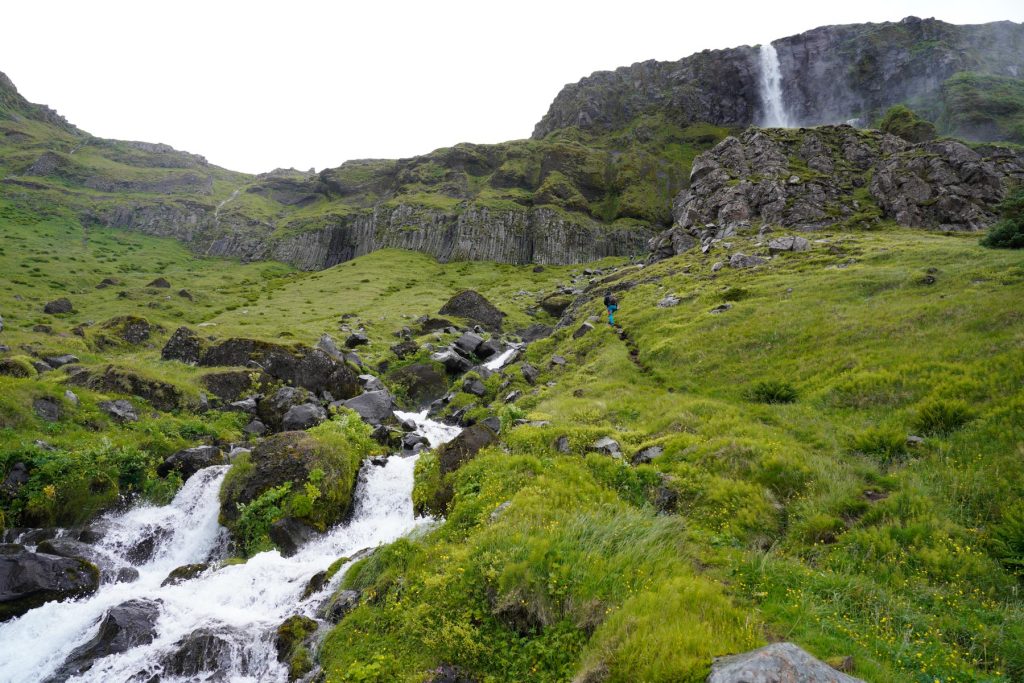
[
  {"x": 123, "y": 330},
  {"x": 17, "y": 366}
]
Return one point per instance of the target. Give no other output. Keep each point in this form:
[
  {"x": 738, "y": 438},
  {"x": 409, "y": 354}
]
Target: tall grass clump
[
  {"x": 939, "y": 417},
  {"x": 771, "y": 391}
]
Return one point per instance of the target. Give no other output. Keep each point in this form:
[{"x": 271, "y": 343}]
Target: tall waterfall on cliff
[{"x": 774, "y": 114}]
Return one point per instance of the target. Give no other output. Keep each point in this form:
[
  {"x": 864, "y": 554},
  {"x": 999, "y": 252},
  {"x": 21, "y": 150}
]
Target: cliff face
[{"x": 829, "y": 75}]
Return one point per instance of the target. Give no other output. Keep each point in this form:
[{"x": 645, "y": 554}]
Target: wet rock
[
  {"x": 47, "y": 409},
  {"x": 57, "y": 306},
  {"x": 606, "y": 446},
  {"x": 60, "y": 361},
  {"x": 289, "y": 535},
  {"x": 142, "y": 552},
  {"x": 123, "y": 627},
  {"x": 121, "y": 410},
  {"x": 188, "y": 461},
  {"x": 489, "y": 349},
  {"x": 646, "y": 455},
  {"x": 303, "y": 417},
  {"x": 375, "y": 407},
  {"x": 464, "y": 447},
  {"x": 160, "y": 283},
  {"x": 185, "y": 572},
  {"x": 410, "y": 442},
  {"x": 474, "y": 307},
  {"x": 184, "y": 345},
  {"x": 775, "y": 663},
  {"x": 29, "y": 579},
  {"x": 126, "y": 575},
  {"x": 201, "y": 651},
  {"x": 68, "y": 547},
  {"x": 339, "y": 605}
]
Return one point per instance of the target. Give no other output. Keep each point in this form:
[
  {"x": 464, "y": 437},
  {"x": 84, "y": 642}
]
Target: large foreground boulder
[
  {"x": 29, "y": 579},
  {"x": 123, "y": 627},
  {"x": 775, "y": 663},
  {"x": 473, "y": 306}
]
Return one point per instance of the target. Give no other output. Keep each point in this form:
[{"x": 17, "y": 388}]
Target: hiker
[{"x": 612, "y": 304}]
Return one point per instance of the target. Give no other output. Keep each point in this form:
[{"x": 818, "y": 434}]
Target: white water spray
[
  {"x": 242, "y": 604},
  {"x": 774, "y": 114}
]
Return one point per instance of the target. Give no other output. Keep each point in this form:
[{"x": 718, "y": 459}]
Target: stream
[{"x": 240, "y": 605}]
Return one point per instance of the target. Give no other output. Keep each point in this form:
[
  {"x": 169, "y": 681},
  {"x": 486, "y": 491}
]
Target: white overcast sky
[{"x": 294, "y": 83}]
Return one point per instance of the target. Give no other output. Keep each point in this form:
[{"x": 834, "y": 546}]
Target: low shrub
[{"x": 771, "y": 391}]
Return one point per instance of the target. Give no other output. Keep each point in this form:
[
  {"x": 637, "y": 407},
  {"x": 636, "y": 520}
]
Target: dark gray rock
[
  {"x": 343, "y": 602},
  {"x": 493, "y": 422},
  {"x": 468, "y": 343},
  {"x": 530, "y": 373},
  {"x": 411, "y": 441},
  {"x": 356, "y": 339},
  {"x": 645, "y": 456},
  {"x": 57, "y": 306},
  {"x": 41, "y": 367},
  {"x": 454, "y": 362},
  {"x": 535, "y": 332},
  {"x": 29, "y": 579},
  {"x": 464, "y": 447},
  {"x": 558, "y": 360},
  {"x": 474, "y": 386},
  {"x": 474, "y": 307},
  {"x": 184, "y": 345},
  {"x": 371, "y": 383},
  {"x": 303, "y": 417},
  {"x": 188, "y": 461},
  {"x": 160, "y": 283},
  {"x": 123, "y": 627},
  {"x": 203, "y": 650},
  {"x": 255, "y": 428},
  {"x": 562, "y": 445},
  {"x": 272, "y": 410},
  {"x": 185, "y": 572},
  {"x": 47, "y": 409},
  {"x": 739, "y": 260},
  {"x": 582, "y": 330},
  {"x": 71, "y": 397},
  {"x": 289, "y": 535},
  {"x": 606, "y": 446},
  {"x": 121, "y": 410},
  {"x": 375, "y": 407},
  {"x": 721, "y": 308},
  {"x": 775, "y": 663},
  {"x": 126, "y": 575},
  {"x": 405, "y": 348},
  {"x": 247, "y": 405},
  {"x": 229, "y": 385},
  {"x": 328, "y": 346},
  {"x": 489, "y": 349},
  {"x": 60, "y": 361}
]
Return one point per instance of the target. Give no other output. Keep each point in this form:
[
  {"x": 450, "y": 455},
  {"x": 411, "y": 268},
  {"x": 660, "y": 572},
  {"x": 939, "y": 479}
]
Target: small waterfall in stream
[
  {"x": 774, "y": 114},
  {"x": 242, "y": 604}
]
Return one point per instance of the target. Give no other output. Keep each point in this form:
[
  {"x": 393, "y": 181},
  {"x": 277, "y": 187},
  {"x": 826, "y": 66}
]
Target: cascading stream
[
  {"x": 774, "y": 114},
  {"x": 242, "y": 603}
]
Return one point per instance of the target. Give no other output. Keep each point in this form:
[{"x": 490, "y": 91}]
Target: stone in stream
[
  {"x": 203, "y": 650},
  {"x": 289, "y": 535},
  {"x": 188, "y": 461},
  {"x": 29, "y": 579},
  {"x": 185, "y": 572},
  {"x": 775, "y": 663},
  {"x": 453, "y": 361},
  {"x": 123, "y": 627},
  {"x": 468, "y": 343}
]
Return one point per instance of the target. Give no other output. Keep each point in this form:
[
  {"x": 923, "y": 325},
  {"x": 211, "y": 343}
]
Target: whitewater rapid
[{"x": 243, "y": 603}]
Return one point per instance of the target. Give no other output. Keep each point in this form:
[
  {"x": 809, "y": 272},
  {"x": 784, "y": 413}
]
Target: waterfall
[
  {"x": 774, "y": 114},
  {"x": 241, "y": 603}
]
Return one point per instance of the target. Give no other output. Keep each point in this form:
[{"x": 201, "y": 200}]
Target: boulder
[
  {"x": 453, "y": 361},
  {"x": 468, "y": 343},
  {"x": 530, "y": 373},
  {"x": 428, "y": 324},
  {"x": 160, "y": 283},
  {"x": 123, "y": 627},
  {"x": 185, "y": 572},
  {"x": 68, "y": 547},
  {"x": 17, "y": 476},
  {"x": 562, "y": 445},
  {"x": 535, "y": 332},
  {"x": 229, "y": 385},
  {"x": 184, "y": 345},
  {"x": 558, "y": 360},
  {"x": 606, "y": 446},
  {"x": 188, "y": 461},
  {"x": 645, "y": 456},
  {"x": 48, "y": 409},
  {"x": 488, "y": 349},
  {"x": 291, "y": 633},
  {"x": 464, "y": 447},
  {"x": 303, "y": 417},
  {"x": 474, "y": 307},
  {"x": 474, "y": 386},
  {"x": 60, "y": 361},
  {"x": 669, "y": 301},
  {"x": 788, "y": 243},
  {"x": 375, "y": 407},
  {"x": 203, "y": 650},
  {"x": 121, "y": 410},
  {"x": 56, "y": 306},
  {"x": 356, "y": 339},
  {"x": 775, "y": 663},
  {"x": 330, "y": 347},
  {"x": 739, "y": 260},
  {"x": 555, "y": 304},
  {"x": 41, "y": 367},
  {"x": 16, "y": 367},
  {"x": 255, "y": 428},
  {"x": 163, "y": 395},
  {"x": 405, "y": 348},
  {"x": 290, "y": 534},
  {"x": 246, "y": 405},
  {"x": 582, "y": 330},
  {"x": 127, "y": 329},
  {"x": 29, "y": 579},
  {"x": 370, "y": 383},
  {"x": 272, "y": 410},
  {"x": 343, "y": 602}
]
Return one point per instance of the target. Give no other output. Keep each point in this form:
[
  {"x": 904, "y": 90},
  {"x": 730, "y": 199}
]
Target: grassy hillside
[{"x": 786, "y": 502}]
